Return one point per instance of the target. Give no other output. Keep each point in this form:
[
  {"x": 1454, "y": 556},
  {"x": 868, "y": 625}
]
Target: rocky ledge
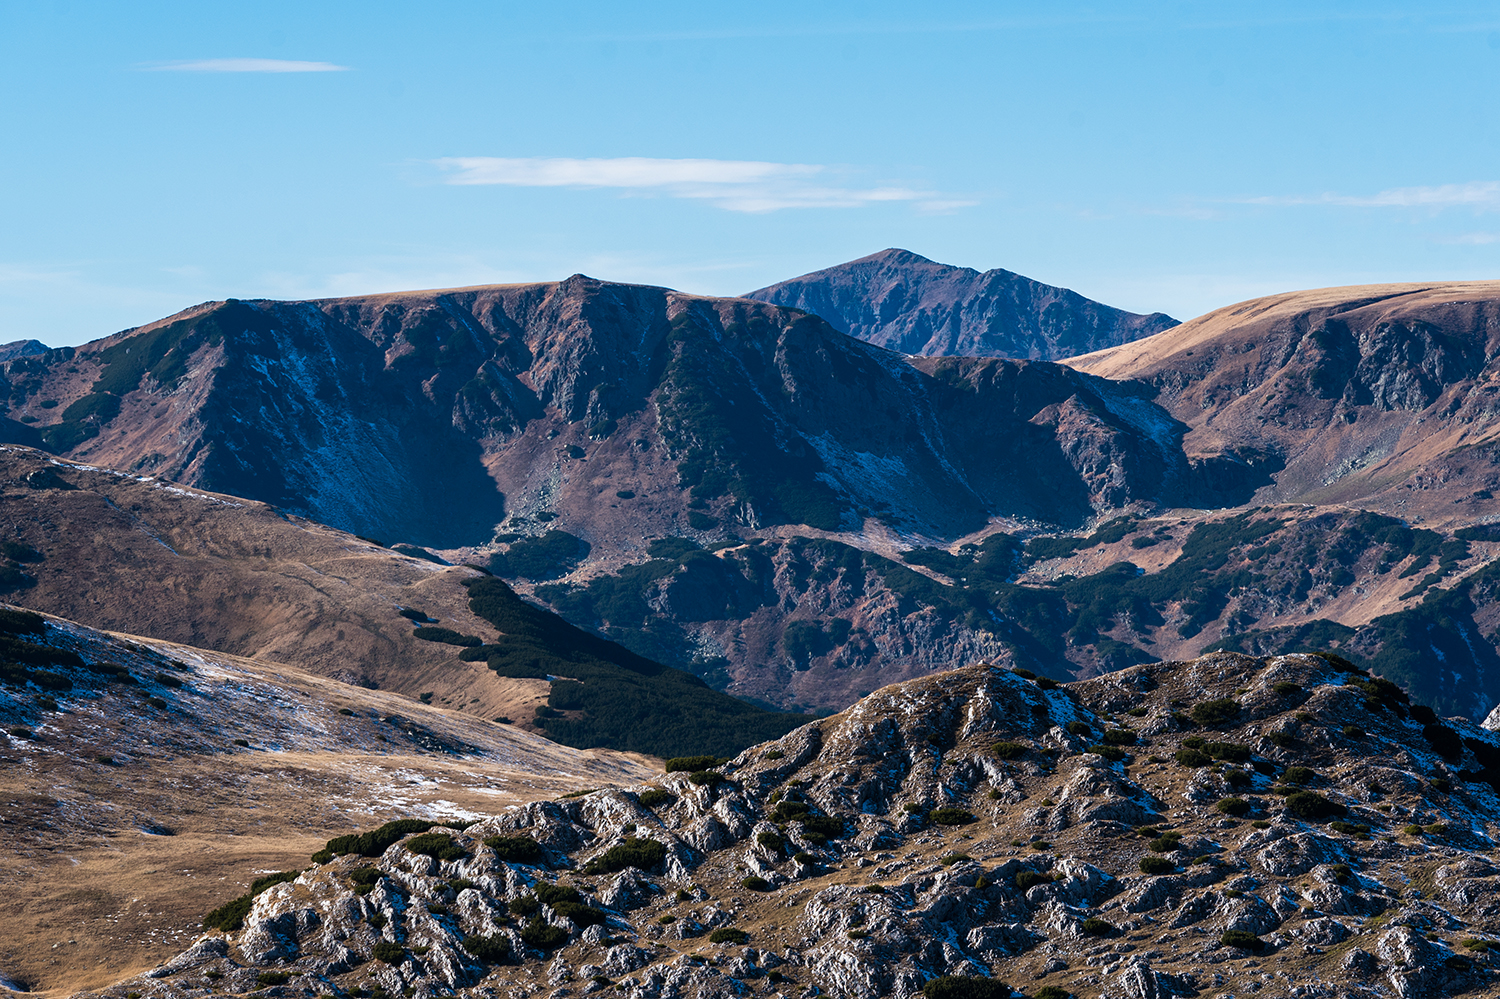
[{"x": 1287, "y": 826}]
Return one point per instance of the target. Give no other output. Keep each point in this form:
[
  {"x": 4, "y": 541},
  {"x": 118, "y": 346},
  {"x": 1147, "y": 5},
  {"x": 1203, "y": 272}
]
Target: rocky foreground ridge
[{"x": 1231, "y": 824}]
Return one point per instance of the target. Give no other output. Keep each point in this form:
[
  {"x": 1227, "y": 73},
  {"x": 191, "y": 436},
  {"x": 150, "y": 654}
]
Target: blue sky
[{"x": 1171, "y": 157}]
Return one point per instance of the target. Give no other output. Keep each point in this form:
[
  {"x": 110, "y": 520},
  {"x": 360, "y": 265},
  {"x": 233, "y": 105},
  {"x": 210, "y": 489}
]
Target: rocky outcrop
[{"x": 864, "y": 855}]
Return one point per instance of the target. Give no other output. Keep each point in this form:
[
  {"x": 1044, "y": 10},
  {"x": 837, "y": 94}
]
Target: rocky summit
[
  {"x": 906, "y": 302},
  {"x": 1287, "y": 826}
]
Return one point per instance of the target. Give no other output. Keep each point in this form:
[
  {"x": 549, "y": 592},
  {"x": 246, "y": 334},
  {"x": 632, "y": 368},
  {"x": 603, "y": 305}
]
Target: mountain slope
[
  {"x": 141, "y": 779},
  {"x": 1381, "y": 396},
  {"x": 131, "y": 552},
  {"x": 899, "y": 300},
  {"x": 1161, "y": 831},
  {"x": 432, "y": 417}
]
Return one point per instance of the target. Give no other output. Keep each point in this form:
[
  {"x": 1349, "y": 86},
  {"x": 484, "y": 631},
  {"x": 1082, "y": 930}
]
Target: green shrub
[
  {"x": 388, "y": 952},
  {"x": 1473, "y": 943},
  {"x": 273, "y": 977},
  {"x": 1026, "y": 880},
  {"x": 1221, "y": 711},
  {"x": 439, "y": 846},
  {"x": 755, "y": 883},
  {"x": 1237, "y": 807},
  {"x": 1299, "y": 775},
  {"x": 1139, "y": 712},
  {"x": 820, "y": 827},
  {"x": 1413, "y": 830},
  {"x": 525, "y": 905},
  {"x": 1238, "y": 778},
  {"x": 1052, "y": 992},
  {"x": 1112, "y": 753},
  {"x": 1096, "y": 927},
  {"x": 556, "y": 894},
  {"x": 1342, "y": 873},
  {"x": 729, "y": 935},
  {"x": 1166, "y": 843},
  {"x": 366, "y": 875},
  {"x": 1353, "y": 732},
  {"x": 579, "y": 914},
  {"x": 1024, "y": 673},
  {"x": 707, "y": 778},
  {"x": 375, "y": 842},
  {"x": 773, "y": 754},
  {"x": 515, "y": 849},
  {"x": 1356, "y": 829},
  {"x": 1286, "y": 688},
  {"x": 447, "y": 636},
  {"x": 1080, "y": 728},
  {"x": 1282, "y": 740},
  {"x": 640, "y": 853},
  {"x": 541, "y": 935},
  {"x": 1313, "y": 807},
  {"x": 549, "y": 556},
  {"x": 691, "y": 764},
  {"x": 965, "y": 987},
  {"x": 1010, "y": 750},
  {"x": 1195, "y": 742},
  {"x": 954, "y": 858},
  {"x": 1437, "y": 829},
  {"x": 1192, "y": 758},
  {"x": 493, "y": 949},
  {"x": 1230, "y": 752},
  {"x": 1152, "y": 864},
  {"x": 1241, "y": 940},
  {"x": 1046, "y": 683},
  {"x": 231, "y": 915},
  {"x": 948, "y": 816},
  {"x": 19, "y": 622},
  {"x": 804, "y": 858},
  {"x": 1119, "y": 737},
  {"x": 770, "y": 840}
]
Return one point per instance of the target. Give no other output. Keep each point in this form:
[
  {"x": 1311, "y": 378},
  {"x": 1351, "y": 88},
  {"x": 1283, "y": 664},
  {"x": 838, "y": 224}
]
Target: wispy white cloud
[
  {"x": 245, "y": 66},
  {"x": 1467, "y": 239},
  {"x": 1483, "y": 195},
  {"x": 734, "y": 185}
]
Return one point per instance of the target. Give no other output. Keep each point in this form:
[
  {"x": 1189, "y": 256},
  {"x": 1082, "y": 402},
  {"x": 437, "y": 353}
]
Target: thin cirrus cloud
[
  {"x": 246, "y": 66},
  {"x": 733, "y": 185},
  {"x": 1479, "y": 195}
]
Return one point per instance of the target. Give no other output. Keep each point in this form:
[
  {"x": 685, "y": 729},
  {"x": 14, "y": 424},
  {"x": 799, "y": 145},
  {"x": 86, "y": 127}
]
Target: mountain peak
[{"x": 903, "y": 301}]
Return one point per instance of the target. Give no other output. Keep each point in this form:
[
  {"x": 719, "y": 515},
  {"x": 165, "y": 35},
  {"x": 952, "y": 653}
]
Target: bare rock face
[
  {"x": 878, "y": 859},
  {"x": 899, "y": 300}
]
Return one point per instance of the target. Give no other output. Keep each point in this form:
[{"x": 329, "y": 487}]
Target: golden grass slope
[
  {"x": 139, "y": 554},
  {"x": 1374, "y": 395},
  {"x": 124, "y": 821}
]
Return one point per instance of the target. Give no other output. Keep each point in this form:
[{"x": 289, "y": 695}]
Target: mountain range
[
  {"x": 1225, "y": 600},
  {"x": 738, "y": 490}
]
